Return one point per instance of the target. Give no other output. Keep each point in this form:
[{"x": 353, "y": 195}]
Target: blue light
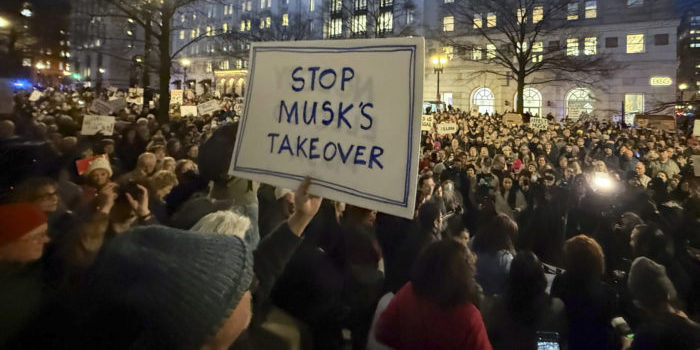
[{"x": 21, "y": 84}]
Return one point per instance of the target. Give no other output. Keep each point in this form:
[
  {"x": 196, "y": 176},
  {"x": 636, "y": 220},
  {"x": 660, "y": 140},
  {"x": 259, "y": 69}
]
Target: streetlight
[
  {"x": 438, "y": 66},
  {"x": 185, "y": 63},
  {"x": 682, "y": 87},
  {"x": 4, "y": 23}
]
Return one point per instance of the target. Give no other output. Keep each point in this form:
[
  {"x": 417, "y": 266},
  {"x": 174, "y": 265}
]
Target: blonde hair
[
  {"x": 224, "y": 222},
  {"x": 162, "y": 179}
]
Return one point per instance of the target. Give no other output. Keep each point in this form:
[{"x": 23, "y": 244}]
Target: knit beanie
[
  {"x": 99, "y": 163},
  {"x": 648, "y": 282},
  {"x": 18, "y": 219},
  {"x": 176, "y": 287}
]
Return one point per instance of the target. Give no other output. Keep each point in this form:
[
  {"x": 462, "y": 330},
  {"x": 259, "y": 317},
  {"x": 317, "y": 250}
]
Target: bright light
[
  {"x": 602, "y": 182},
  {"x": 683, "y": 86},
  {"x": 4, "y": 23},
  {"x": 435, "y": 61},
  {"x": 26, "y": 12},
  {"x": 101, "y": 70},
  {"x": 77, "y": 76},
  {"x": 40, "y": 66},
  {"x": 185, "y": 62},
  {"x": 67, "y": 73},
  {"x": 21, "y": 84},
  {"x": 442, "y": 60}
]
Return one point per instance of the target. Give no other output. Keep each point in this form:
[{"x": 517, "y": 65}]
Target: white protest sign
[
  {"x": 446, "y": 128},
  {"x": 112, "y": 89},
  {"x": 238, "y": 108},
  {"x": 176, "y": 97},
  {"x": 135, "y": 100},
  {"x": 101, "y": 107},
  {"x": 35, "y": 96},
  {"x": 347, "y": 113},
  {"x": 188, "y": 111},
  {"x": 208, "y": 107},
  {"x": 426, "y": 122},
  {"x": 696, "y": 128},
  {"x": 538, "y": 123},
  {"x": 93, "y": 124},
  {"x": 118, "y": 104}
]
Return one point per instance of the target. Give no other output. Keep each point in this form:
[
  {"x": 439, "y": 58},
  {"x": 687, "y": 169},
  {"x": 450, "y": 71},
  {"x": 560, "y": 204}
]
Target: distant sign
[
  {"x": 660, "y": 81},
  {"x": 138, "y": 100},
  {"x": 186, "y": 111},
  {"x": 446, "y": 128},
  {"x": 512, "y": 118},
  {"x": 208, "y": 107},
  {"x": 176, "y": 97},
  {"x": 696, "y": 128},
  {"x": 118, "y": 104},
  {"x": 662, "y": 122},
  {"x": 101, "y": 107},
  {"x": 537, "y": 123},
  {"x": 426, "y": 122},
  {"x": 94, "y": 124},
  {"x": 347, "y": 113},
  {"x": 35, "y": 96}
]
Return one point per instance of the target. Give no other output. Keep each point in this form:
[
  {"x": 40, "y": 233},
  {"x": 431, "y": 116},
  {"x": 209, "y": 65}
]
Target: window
[
  {"x": 360, "y": 5},
  {"x": 243, "y": 26},
  {"x": 579, "y": 101},
  {"x": 247, "y": 25},
  {"x": 572, "y": 47},
  {"x": 532, "y": 101},
  {"x": 268, "y": 22},
  {"x": 661, "y": 39},
  {"x": 448, "y": 24},
  {"x": 537, "y": 50},
  {"x": 476, "y": 53},
  {"x": 312, "y": 6},
  {"x": 224, "y": 64},
  {"x": 336, "y": 6},
  {"x": 590, "y": 45},
  {"x": 386, "y": 21},
  {"x": 635, "y": 3},
  {"x": 209, "y": 68},
  {"x": 537, "y": 14},
  {"x": 520, "y": 17},
  {"x": 449, "y": 1},
  {"x": 224, "y": 28},
  {"x": 483, "y": 100},
  {"x": 449, "y": 51},
  {"x": 335, "y": 28},
  {"x": 572, "y": 12},
  {"x": 635, "y": 43},
  {"x": 410, "y": 13},
  {"x": 611, "y": 42},
  {"x": 198, "y": 33},
  {"x": 553, "y": 46},
  {"x": 490, "y": 51},
  {"x": 182, "y": 35},
  {"x": 591, "y": 10},
  {"x": 209, "y": 32},
  {"x": 491, "y": 19},
  {"x": 262, "y": 4},
  {"x": 193, "y": 34},
  {"x": 285, "y": 20},
  {"x": 385, "y": 3},
  {"x": 239, "y": 63},
  {"x": 359, "y": 24},
  {"x": 478, "y": 22},
  {"x": 26, "y": 62},
  {"x": 269, "y": 3},
  {"x": 634, "y": 104}
]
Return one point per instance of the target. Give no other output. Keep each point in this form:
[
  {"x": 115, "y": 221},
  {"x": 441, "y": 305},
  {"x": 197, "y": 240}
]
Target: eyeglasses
[{"x": 47, "y": 196}]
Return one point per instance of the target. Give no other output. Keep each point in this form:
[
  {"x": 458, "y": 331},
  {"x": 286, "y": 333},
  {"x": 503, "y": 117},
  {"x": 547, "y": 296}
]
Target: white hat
[
  {"x": 223, "y": 222},
  {"x": 281, "y": 192},
  {"x": 99, "y": 163}
]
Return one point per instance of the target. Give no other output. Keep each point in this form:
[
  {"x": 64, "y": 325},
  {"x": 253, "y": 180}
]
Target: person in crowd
[
  {"x": 145, "y": 167},
  {"x": 665, "y": 164},
  {"x": 590, "y": 303},
  {"x": 494, "y": 245},
  {"x": 509, "y": 199},
  {"x": 160, "y": 185},
  {"x": 41, "y": 191},
  {"x": 436, "y": 309}
]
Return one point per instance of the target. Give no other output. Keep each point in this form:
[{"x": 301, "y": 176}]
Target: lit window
[
  {"x": 521, "y": 16},
  {"x": 209, "y": 31},
  {"x": 537, "y": 14},
  {"x": 224, "y": 27},
  {"x": 634, "y": 3},
  {"x": 243, "y": 5},
  {"x": 448, "y": 51},
  {"x": 268, "y": 22},
  {"x": 243, "y": 26},
  {"x": 269, "y": 3},
  {"x": 247, "y": 25},
  {"x": 386, "y": 21},
  {"x": 491, "y": 19},
  {"x": 26, "y": 62},
  {"x": 591, "y": 9},
  {"x": 572, "y": 47},
  {"x": 193, "y": 34},
  {"x": 360, "y": 4},
  {"x": 182, "y": 35},
  {"x": 335, "y": 28},
  {"x": 198, "y": 32},
  {"x": 590, "y": 45},
  {"x": 285, "y": 20},
  {"x": 60, "y": 65},
  {"x": 182, "y": 18},
  {"x": 129, "y": 32},
  {"x": 572, "y": 13},
  {"x": 262, "y": 23},
  {"x": 336, "y": 6},
  {"x": 410, "y": 14},
  {"x": 478, "y": 22},
  {"x": 239, "y": 63},
  {"x": 448, "y": 24},
  {"x": 635, "y": 43},
  {"x": 634, "y": 104},
  {"x": 449, "y": 1},
  {"x": 359, "y": 24},
  {"x": 522, "y": 47},
  {"x": 312, "y": 6},
  {"x": 262, "y": 4},
  {"x": 490, "y": 51},
  {"x": 209, "y": 68},
  {"x": 537, "y": 50},
  {"x": 476, "y": 54}
]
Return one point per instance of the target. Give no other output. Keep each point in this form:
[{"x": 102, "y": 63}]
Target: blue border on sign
[{"x": 330, "y": 185}]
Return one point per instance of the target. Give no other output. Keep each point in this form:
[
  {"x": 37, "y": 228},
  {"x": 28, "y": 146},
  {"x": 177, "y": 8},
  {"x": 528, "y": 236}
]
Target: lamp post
[
  {"x": 438, "y": 66},
  {"x": 185, "y": 63}
]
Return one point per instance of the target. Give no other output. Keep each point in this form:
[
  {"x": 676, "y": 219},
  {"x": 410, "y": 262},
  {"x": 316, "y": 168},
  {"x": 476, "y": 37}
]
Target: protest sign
[
  {"x": 188, "y": 111},
  {"x": 118, "y": 104},
  {"x": 446, "y": 128},
  {"x": 208, "y": 107},
  {"x": 35, "y": 96},
  {"x": 101, "y": 107},
  {"x": 344, "y": 112},
  {"x": 512, "y": 118},
  {"x": 662, "y": 122},
  {"x": 238, "y": 108},
  {"x": 537, "y": 123},
  {"x": 112, "y": 89},
  {"x": 82, "y": 165},
  {"x": 94, "y": 124},
  {"x": 176, "y": 97},
  {"x": 426, "y": 122},
  {"x": 696, "y": 128},
  {"x": 138, "y": 100}
]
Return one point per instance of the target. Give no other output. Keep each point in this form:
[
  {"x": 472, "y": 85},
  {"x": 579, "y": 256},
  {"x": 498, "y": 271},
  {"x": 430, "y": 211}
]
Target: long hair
[
  {"x": 498, "y": 234},
  {"x": 526, "y": 287},
  {"x": 583, "y": 259}
]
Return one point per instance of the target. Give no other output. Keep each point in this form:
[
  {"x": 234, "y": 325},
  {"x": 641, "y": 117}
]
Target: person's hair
[
  {"x": 498, "y": 234},
  {"x": 162, "y": 179},
  {"x": 427, "y": 214},
  {"x": 584, "y": 259},
  {"x": 444, "y": 275},
  {"x": 424, "y": 178},
  {"x": 27, "y": 190},
  {"x": 143, "y": 156},
  {"x": 525, "y": 293},
  {"x": 653, "y": 243}
]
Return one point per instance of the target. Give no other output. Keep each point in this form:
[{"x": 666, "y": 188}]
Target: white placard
[
  {"x": 188, "y": 111},
  {"x": 446, "y": 128},
  {"x": 696, "y": 128},
  {"x": 112, "y": 89},
  {"x": 35, "y": 95},
  {"x": 101, "y": 107},
  {"x": 93, "y": 124},
  {"x": 539, "y": 123},
  {"x": 426, "y": 122},
  {"x": 238, "y": 108},
  {"x": 359, "y": 138},
  {"x": 175, "y": 97},
  {"x": 135, "y": 100},
  {"x": 208, "y": 107},
  {"x": 118, "y": 104}
]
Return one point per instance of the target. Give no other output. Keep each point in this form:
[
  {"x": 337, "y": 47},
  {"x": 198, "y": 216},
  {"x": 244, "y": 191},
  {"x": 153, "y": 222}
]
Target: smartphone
[{"x": 547, "y": 341}]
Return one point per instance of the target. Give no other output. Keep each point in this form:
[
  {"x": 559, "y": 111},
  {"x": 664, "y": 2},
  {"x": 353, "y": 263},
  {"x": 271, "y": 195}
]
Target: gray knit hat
[
  {"x": 648, "y": 283},
  {"x": 177, "y": 286}
]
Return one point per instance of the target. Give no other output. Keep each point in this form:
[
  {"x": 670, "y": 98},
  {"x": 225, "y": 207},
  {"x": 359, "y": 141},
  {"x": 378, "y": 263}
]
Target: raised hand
[{"x": 305, "y": 208}]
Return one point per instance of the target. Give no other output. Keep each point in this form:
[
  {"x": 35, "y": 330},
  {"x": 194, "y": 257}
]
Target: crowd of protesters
[{"x": 584, "y": 234}]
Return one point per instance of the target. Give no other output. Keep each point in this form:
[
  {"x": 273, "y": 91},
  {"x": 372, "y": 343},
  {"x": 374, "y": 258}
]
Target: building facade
[
  {"x": 689, "y": 50},
  {"x": 639, "y": 35}
]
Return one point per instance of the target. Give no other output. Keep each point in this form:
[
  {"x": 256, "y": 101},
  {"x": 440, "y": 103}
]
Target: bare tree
[
  {"x": 373, "y": 18},
  {"x": 525, "y": 40}
]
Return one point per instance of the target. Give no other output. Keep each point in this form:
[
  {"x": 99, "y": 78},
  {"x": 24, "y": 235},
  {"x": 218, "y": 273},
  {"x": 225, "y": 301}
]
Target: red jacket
[{"x": 412, "y": 323}]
